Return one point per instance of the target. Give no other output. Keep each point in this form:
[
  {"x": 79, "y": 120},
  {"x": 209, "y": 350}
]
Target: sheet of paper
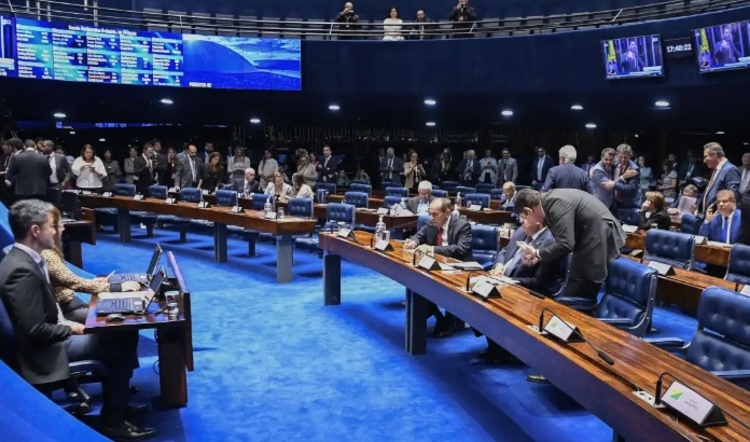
[
  {"x": 629, "y": 229},
  {"x": 686, "y": 203}
]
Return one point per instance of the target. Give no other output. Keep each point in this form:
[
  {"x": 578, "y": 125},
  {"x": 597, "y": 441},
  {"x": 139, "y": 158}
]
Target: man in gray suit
[
  {"x": 189, "y": 169},
  {"x": 61, "y": 172},
  {"x": 507, "y": 168},
  {"x": 391, "y": 167},
  {"x": 420, "y": 205},
  {"x": 567, "y": 175}
]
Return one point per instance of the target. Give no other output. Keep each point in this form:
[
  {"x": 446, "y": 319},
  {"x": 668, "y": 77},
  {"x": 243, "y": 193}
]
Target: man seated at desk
[
  {"x": 509, "y": 196},
  {"x": 446, "y": 236},
  {"x": 722, "y": 224},
  {"x": 249, "y": 185},
  {"x": 45, "y": 342},
  {"x": 420, "y": 205}
]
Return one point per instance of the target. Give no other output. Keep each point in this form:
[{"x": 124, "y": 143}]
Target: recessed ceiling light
[
  {"x": 430, "y": 123},
  {"x": 662, "y": 103},
  {"x": 746, "y": 143},
  {"x": 334, "y": 107},
  {"x": 72, "y": 132},
  {"x": 719, "y": 132},
  {"x": 430, "y": 102},
  {"x": 590, "y": 126},
  {"x": 255, "y": 120},
  {"x": 101, "y": 140},
  {"x": 507, "y": 113},
  {"x": 576, "y": 107},
  {"x": 166, "y": 101},
  {"x": 636, "y": 135},
  {"x": 59, "y": 115}
]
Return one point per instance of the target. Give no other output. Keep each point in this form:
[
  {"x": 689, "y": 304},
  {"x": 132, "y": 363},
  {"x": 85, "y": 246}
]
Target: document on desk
[
  {"x": 686, "y": 205},
  {"x": 494, "y": 280},
  {"x": 627, "y": 228}
]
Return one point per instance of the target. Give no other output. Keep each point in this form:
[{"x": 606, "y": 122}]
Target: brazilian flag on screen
[
  {"x": 611, "y": 56},
  {"x": 704, "y": 43}
]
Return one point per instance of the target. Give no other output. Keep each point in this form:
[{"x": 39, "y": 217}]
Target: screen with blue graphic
[
  {"x": 633, "y": 57},
  {"x": 68, "y": 52},
  {"x": 723, "y": 47}
]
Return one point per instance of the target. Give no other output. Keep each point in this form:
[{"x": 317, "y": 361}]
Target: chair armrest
[
  {"x": 487, "y": 266},
  {"x": 734, "y": 376},
  {"x": 666, "y": 343},
  {"x": 617, "y": 321}
]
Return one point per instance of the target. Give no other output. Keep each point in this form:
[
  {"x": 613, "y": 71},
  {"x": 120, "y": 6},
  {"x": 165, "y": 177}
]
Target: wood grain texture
[{"x": 575, "y": 368}]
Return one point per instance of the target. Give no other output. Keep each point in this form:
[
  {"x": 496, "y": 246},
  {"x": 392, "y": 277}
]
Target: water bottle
[
  {"x": 267, "y": 207},
  {"x": 456, "y": 213},
  {"x": 380, "y": 229},
  {"x": 394, "y": 210},
  {"x": 281, "y": 213},
  {"x": 403, "y": 203}
]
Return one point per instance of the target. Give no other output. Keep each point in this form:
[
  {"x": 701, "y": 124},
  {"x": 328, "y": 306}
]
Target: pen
[{"x": 110, "y": 275}]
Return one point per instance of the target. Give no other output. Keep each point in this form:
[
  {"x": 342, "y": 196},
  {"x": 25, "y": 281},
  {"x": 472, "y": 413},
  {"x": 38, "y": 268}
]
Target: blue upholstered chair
[
  {"x": 629, "y": 296},
  {"x": 358, "y": 182},
  {"x": 328, "y": 187},
  {"x": 357, "y": 199},
  {"x": 484, "y": 241},
  {"x": 387, "y": 184},
  {"x": 586, "y": 305},
  {"x": 108, "y": 215},
  {"x": 390, "y": 200},
  {"x": 485, "y": 188},
  {"x": 303, "y": 208},
  {"x": 671, "y": 248},
  {"x": 258, "y": 201},
  {"x": 449, "y": 186},
  {"x": 398, "y": 191},
  {"x": 190, "y": 195},
  {"x": 721, "y": 344},
  {"x": 439, "y": 193},
  {"x": 628, "y": 216},
  {"x": 497, "y": 194},
  {"x": 463, "y": 190},
  {"x": 690, "y": 224},
  {"x": 124, "y": 189},
  {"x": 226, "y": 198},
  {"x": 149, "y": 219},
  {"x": 480, "y": 199},
  {"x": 738, "y": 269},
  {"x": 339, "y": 212},
  {"x": 364, "y": 188},
  {"x": 423, "y": 220}
]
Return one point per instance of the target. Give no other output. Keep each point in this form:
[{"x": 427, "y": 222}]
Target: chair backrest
[
  {"x": 357, "y": 199},
  {"x": 463, "y": 190},
  {"x": 387, "y": 184},
  {"x": 336, "y": 212},
  {"x": 259, "y": 200},
  {"x": 191, "y": 195},
  {"x": 485, "y": 188},
  {"x": 302, "y": 207},
  {"x": 390, "y": 200},
  {"x": 329, "y": 187},
  {"x": 357, "y": 182},
  {"x": 484, "y": 241},
  {"x": 226, "y": 198},
  {"x": 672, "y": 248},
  {"x": 480, "y": 199},
  {"x": 125, "y": 189},
  {"x": 158, "y": 191},
  {"x": 738, "y": 269},
  {"x": 7, "y": 337},
  {"x": 422, "y": 220},
  {"x": 628, "y": 216},
  {"x": 364, "y": 188},
  {"x": 450, "y": 186},
  {"x": 400, "y": 191},
  {"x": 722, "y": 341},
  {"x": 629, "y": 293},
  {"x": 439, "y": 193},
  {"x": 6, "y": 235},
  {"x": 690, "y": 224},
  {"x": 496, "y": 194}
]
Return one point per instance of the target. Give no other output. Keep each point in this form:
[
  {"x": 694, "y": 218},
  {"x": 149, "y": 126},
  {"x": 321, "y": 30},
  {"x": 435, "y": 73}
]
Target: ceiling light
[
  {"x": 719, "y": 132},
  {"x": 334, "y": 107},
  {"x": 636, "y": 135},
  {"x": 590, "y": 126},
  {"x": 72, "y": 132},
  {"x": 255, "y": 120},
  {"x": 430, "y": 102},
  {"x": 102, "y": 140},
  {"x": 166, "y": 101},
  {"x": 507, "y": 113},
  {"x": 746, "y": 143},
  {"x": 662, "y": 103},
  {"x": 576, "y": 107},
  {"x": 430, "y": 123},
  {"x": 59, "y": 115}
]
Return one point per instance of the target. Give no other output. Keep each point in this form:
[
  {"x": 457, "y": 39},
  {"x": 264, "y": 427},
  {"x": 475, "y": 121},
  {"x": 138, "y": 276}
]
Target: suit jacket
[
  {"x": 540, "y": 277},
  {"x": 712, "y": 230},
  {"x": 695, "y": 169},
  {"x": 29, "y": 171},
  {"x": 144, "y": 174},
  {"x": 424, "y": 30},
  {"x": 459, "y": 239},
  {"x": 241, "y": 186},
  {"x": 184, "y": 174},
  {"x": 328, "y": 173},
  {"x": 584, "y": 226},
  {"x": 546, "y": 166},
  {"x": 62, "y": 169},
  {"x": 395, "y": 174},
  {"x": 413, "y": 204},
  {"x": 467, "y": 176},
  {"x": 660, "y": 218},
  {"x": 566, "y": 176},
  {"x": 629, "y": 189},
  {"x": 727, "y": 178},
  {"x": 32, "y": 307},
  {"x": 507, "y": 170}
]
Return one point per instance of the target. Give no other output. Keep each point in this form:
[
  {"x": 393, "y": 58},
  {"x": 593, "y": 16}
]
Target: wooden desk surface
[
  {"x": 575, "y": 368},
  {"x": 250, "y": 219}
]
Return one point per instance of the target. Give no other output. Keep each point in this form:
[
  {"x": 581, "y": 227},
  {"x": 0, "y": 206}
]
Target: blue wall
[{"x": 539, "y": 63}]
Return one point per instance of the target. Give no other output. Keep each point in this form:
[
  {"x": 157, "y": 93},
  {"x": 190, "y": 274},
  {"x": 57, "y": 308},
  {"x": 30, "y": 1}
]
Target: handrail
[{"x": 201, "y": 23}]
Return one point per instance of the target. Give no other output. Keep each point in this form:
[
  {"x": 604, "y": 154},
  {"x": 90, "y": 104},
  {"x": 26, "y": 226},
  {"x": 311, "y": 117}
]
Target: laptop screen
[
  {"x": 157, "y": 280},
  {"x": 154, "y": 261}
]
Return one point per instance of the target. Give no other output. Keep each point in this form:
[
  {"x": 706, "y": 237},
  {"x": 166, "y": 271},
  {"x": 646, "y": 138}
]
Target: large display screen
[
  {"x": 55, "y": 51},
  {"x": 633, "y": 57},
  {"x": 723, "y": 47}
]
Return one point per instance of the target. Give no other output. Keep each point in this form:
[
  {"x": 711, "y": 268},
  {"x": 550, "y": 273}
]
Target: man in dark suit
[
  {"x": 567, "y": 175},
  {"x": 144, "y": 169},
  {"x": 189, "y": 169},
  {"x": 445, "y": 236},
  {"x": 423, "y": 28},
  {"x": 691, "y": 167},
  {"x": 30, "y": 172},
  {"x": 469, "y": 169},
  {"x": 249, "y": 185},
  {"x": 61, "y": 172},
  {"x": 540, "y": 168},
  {"x": 420, "y": 204},
  {"x": 327, "y": 166},
  {"x": 45, "y": 342},
  {"x": 391, "y": 167}
]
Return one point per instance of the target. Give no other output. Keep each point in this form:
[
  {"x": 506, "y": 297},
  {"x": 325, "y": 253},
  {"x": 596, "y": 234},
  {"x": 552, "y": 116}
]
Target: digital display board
[
  {"x": 633, "y": 57},
  {"x": 7, "y": 48},
  {"x": 81, "y": 53},
  {"x": 723, "y": 47}
]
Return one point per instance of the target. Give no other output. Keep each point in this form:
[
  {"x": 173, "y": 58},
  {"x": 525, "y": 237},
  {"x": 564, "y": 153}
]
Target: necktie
[
  {"x": 725, "y": 230},
  {"x": 618, "y": 194},
  {"x": 43, "y": 267},
  {"x": 689, "y": 172},
  {"x": 540, "y": 169},
  {"x": 708, "y": 188},
  {"x": 513, "y": 264},
  {"x": 440, "y": 237},
  {"x": 192, "y": 167}
]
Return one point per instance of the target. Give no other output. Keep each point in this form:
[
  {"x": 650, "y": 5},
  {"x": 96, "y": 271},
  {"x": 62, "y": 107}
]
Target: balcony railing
[{"x": 90, "y": 12}]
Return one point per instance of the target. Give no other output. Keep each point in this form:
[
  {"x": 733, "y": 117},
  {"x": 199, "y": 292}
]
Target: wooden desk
[
  {"x": 488, "y": 216},
  {"x": 76, "y": 233},
  {"x": 174, "y": 338},
  {"x": 704, "y": 253},
  {"x": 606, "y": 391},
  {"x": 283, "y": 229}
]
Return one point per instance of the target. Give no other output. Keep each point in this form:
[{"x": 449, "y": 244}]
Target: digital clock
[{"x": 678, "y": 47}]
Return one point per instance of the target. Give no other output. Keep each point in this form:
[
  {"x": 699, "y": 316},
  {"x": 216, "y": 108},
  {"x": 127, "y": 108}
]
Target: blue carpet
[{"x": 272, "y": 363}]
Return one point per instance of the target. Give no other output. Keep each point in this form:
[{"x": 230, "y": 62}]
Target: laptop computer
[
  {"x": 135, "y": 303},
  {"x": 143, "y": 278}
]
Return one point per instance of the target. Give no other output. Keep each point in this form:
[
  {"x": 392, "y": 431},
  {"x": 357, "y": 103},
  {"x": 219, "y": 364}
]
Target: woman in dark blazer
[{"x": 653, "y": 212}]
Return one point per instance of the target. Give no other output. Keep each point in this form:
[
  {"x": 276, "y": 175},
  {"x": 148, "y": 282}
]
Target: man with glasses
[
  {"x": 445, "y": 236},
  {"x": 420, "y": 205}
]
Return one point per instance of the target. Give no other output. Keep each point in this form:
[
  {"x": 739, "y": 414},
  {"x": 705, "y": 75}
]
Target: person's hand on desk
[
  {"x": 497, "y": 270},
  {"x": 77, "y": 329},
  {"x": 424, "y": 248},
  {"x": 410, "y": 244},
  {"x": 130, "y": 286}
]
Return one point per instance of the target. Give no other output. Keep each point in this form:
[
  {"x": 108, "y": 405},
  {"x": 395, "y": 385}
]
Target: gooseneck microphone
[
  {"x": 602, "y": 355},
  {"x": 468, "y": 278}
]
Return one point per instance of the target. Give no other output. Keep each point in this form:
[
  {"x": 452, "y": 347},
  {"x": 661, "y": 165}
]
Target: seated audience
[
  {"x": 690, "y": 191},
  {"x": 445, "y": 236},
  {"x": 278, "y": 188},
  {"x": 722, "y": 223},
  {"x": 300, "y": 189},
  {"x": 45, "y": 344},
  {"x": 420, "y": 205},
  {"x": 653, "y": 212},
  {"x": 361, "y": 175},
  {"x": 392, "y": 26},
  {"x": 343, "y": 179}
]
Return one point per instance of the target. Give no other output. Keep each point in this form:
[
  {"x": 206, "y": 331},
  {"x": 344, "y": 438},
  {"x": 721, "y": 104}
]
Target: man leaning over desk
[{"x": 445, "y": 236}]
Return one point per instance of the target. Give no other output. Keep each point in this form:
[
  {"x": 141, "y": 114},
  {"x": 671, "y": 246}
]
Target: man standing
[
  {"x": 420, "y": 204},
  {"x": 61, "y": 172},
  {"x": 469, "y": 169},
  {"x": 29, "y": 171},
  {"x": 488, "y": 165},
  {"x": 627, "y": 184},
  {"x": 540, "y": 168},
  {"x": 327, "y": 167},
  {"x": 723, "y": 176},
  {"x": 391, "y": 167},
  {"x": 602, "y": 178},
  {"x": 567, "y": 175},
  {"x": 445, "y": 236},
  {"x": 507, "y": 168},
  {"x": 189, "y": 169},
  {"x": 144, "y": 169}
]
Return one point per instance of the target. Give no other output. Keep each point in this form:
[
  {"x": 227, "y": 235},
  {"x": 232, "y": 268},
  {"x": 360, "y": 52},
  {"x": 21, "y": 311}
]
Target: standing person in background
[
  {"x": 267, "y": 168},
  {"x": 348, "y": 20},
  {"x": 647, "y": 175},
  {"x": 129, "y": 165},
  {"x": 488, "y": 166},
  {"x": 169, "y": 174},
  {"x": 28, "y": 173},
  {"x": 144, "y": 169},
  {"x": 90, "y": 170},
  {"x": 469, "y": 169},
  {"x": 328, "y": 166},
  {"x": 113, "y": 172},
  {"x": 212, "y": 175},
  {"x": 507, "y": 168},
  {"x": 442, "y": 169},
  {"x": 413, "y": 171},
  {"x": 463, "y": 17},
  {"x": 307, "y": 171},
  {"x": 189, "y": 169},
  {"x": 61, "y": 172},
  {"x": 236, "y": 167},
  {"x": 391, "y": 167},
  {"x": 540, "y": 168},
  {"x": 566, "y": 175}
]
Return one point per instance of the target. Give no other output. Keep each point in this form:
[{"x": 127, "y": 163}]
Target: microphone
[
  {"x": 468, "y": 279},
  {"x": 602, "y": 355}
]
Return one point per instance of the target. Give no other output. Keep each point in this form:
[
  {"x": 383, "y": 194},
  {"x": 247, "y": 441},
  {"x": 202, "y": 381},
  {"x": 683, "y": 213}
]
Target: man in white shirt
[
  {"x": 327, "y": 167},
  {"x": 488, "y": 166}
]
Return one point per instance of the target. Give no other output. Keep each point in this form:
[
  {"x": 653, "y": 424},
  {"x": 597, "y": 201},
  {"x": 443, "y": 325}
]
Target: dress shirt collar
[
  {"x": 721, "y": 164},
  {"x": 536, "y": 235},
  {"x": 447, "y": 223},
  {"x": 31, "y": 252}
]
